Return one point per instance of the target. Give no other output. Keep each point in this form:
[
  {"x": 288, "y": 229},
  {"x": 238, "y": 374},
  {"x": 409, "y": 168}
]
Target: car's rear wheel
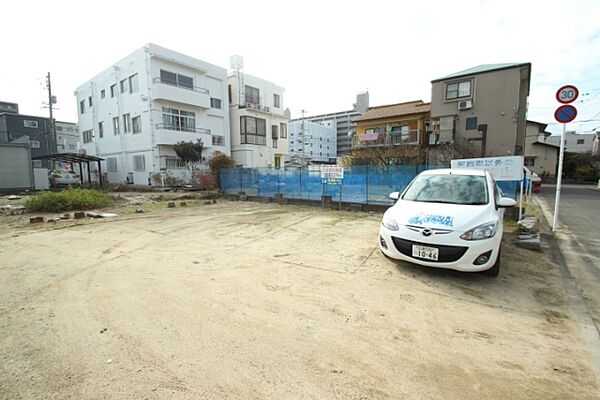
[{"x": 495, "y": 270}]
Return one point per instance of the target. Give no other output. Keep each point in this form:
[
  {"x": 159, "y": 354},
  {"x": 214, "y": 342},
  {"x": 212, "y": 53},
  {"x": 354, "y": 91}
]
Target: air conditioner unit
[{"x": 465, "y": 104}]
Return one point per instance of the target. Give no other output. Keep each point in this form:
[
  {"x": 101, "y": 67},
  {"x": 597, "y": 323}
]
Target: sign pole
[
  {"x": 521, "y": 201},
  {"x": 559, "y": 180}
]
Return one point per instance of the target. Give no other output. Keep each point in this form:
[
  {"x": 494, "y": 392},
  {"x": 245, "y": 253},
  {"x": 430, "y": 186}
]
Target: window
[
  {"x": 133, "y": 83},
  {"x": 171, "y": 78},
  {"x": 580, "y": 141},
  {"x": 111, "y": 164},
  {"x": 275, "y": 100},
  {"x": 218, "y": 140},
  {"x": 139, "y": 163},
  {"x": 71, "y": 147},
  {"x": 124, "y": 86},
  {"x": 90, "y": 103},
  {"x": 283, "y": 128},
  {"x": 253, "y": 130},
  {"x": 471, "y": 123},
  {"x": 274, "y": 132},
  {"x": 136, "y": 124},
  {"x": 178, "y": 120},
  {"x": 277, "y": 162},
  {"x": 82, "y": 106},
  {"x": 529, "y": 161},
  {"x": 28, "y": 123},
  {"x": 458, "y": 90},
  {"x": 126, "y": 123},
  {"x": 88, "y": 136},
  {"x": 101, "y": 129},
  {"x": 215, "y": 103},
  {"x": 274, "y": 143},
  {"x": 35, "y": 144},
  {"x": 252, "y": 95},
  {"x": 102, "y": 93},
  {"x": 113, "y": 90},
  {"x": 116, "y": 129},
  {"x": 37, "y": 163}
]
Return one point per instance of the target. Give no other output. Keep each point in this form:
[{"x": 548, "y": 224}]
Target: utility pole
[{"x": 52, "y": 131}]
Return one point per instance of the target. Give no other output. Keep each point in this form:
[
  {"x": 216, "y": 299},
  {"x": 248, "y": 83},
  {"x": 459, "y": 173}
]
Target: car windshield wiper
[
  {"x": 437, "y": 201},
  {"x": 473, "y": 203}
]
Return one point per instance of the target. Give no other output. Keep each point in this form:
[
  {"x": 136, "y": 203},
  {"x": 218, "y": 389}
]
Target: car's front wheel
[{"x": 495, "y": 270}]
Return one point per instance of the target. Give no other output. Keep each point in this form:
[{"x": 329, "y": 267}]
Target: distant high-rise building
[{"x": 343, "y": 120}]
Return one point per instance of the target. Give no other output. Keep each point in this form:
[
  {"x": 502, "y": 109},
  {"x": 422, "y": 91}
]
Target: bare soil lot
[{"x": 241, "y": 300}]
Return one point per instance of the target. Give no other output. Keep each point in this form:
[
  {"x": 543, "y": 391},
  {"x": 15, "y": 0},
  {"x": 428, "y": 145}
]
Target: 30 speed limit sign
[{"x": 567, "y": 94}]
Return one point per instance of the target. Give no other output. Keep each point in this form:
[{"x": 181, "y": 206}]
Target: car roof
[{"x": 455, "y": 171}]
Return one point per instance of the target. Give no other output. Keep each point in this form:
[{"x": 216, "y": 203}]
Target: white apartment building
[
  {"x": 574, "y": 142},
  {"x": 313, "y": 141},
  {"x": 67, "y": 137},
  {"x": 133, "y": 113},
  {"x": 259, "y": 124}
]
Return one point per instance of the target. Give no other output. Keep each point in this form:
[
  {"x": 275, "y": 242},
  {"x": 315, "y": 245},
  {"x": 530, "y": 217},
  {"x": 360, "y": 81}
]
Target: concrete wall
[
  {"x": 499, "y": 100},
  {"x": 571, "y": 140},
  {"x": 15, "y": 166}
]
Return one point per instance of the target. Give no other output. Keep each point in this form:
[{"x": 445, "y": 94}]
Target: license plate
[{"x": 429, "y": 253}]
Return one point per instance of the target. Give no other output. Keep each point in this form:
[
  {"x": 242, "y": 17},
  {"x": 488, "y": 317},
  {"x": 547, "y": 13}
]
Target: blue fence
[{"x": 361, "y": 184}]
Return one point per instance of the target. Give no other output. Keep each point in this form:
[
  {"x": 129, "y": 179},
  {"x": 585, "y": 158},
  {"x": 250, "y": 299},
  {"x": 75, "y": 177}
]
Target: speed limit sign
[{"x": 567, "y": 94}]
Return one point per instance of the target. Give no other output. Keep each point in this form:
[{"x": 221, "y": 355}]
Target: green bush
[{"x": 68, "y": 199}]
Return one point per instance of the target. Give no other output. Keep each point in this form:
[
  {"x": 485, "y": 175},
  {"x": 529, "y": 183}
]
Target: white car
[
  {"x": 447, "y": 218},
  {"x": 60, "y": 177}
]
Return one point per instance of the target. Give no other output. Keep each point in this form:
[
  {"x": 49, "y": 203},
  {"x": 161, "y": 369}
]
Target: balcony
[
  {"x": 195, "y": 96},
  {"x": 393, "y": 138},
  {"x": 172, "y": 134}
]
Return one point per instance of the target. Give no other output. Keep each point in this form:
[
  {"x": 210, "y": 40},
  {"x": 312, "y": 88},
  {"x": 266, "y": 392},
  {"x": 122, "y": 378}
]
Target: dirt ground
[{"x": 240, "y": 300}]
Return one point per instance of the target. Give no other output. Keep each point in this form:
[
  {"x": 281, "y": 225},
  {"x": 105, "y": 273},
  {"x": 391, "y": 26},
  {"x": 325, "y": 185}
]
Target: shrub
[{"x": 68, "y": 199}]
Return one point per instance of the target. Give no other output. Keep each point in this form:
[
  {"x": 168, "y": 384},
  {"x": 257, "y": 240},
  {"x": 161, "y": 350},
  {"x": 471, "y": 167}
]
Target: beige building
[
  {"x": 541, "y": 156},
  {"x": 485, "y": 105}
]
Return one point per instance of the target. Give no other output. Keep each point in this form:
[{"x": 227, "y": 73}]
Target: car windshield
[{"x": 451, "y": 189}]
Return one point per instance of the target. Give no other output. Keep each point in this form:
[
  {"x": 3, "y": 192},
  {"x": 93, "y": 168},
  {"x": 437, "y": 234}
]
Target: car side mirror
[
  {"x": 395, "y": 195},
  {"x": 506, "y": 202}
]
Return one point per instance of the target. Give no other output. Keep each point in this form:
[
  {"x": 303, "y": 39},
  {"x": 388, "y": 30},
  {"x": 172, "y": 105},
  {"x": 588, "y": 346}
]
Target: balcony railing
[
  {"x": 183, "y": 128},
  {"x": 391, "y": 138},
  {"x": 195, "y": 88}
]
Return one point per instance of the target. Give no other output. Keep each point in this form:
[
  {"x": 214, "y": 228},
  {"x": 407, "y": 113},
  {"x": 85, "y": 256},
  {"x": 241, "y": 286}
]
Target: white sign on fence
[
  {"x": 502, "y": 168},
  {"x": 332, "y": 172}
]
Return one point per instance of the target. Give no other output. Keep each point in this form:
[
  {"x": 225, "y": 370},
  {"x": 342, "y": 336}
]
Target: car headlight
[
  {"x": 389, "y": 222},
  {"x": 480, "y": 232}
]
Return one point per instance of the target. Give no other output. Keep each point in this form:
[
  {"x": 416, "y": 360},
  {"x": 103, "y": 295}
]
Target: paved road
[{"x": 580, "y": 211}]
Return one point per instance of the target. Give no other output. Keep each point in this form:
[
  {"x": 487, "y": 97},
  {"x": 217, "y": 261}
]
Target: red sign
[
  {"x": 567, "y": 94},
  {"x": 566, "y": 113}
]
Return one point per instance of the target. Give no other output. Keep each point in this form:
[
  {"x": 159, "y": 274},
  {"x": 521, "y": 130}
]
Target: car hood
[{"x": 454, "y": 217}]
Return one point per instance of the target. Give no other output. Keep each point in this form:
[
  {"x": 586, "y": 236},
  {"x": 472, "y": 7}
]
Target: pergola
[{"x": 75, "y": 158}]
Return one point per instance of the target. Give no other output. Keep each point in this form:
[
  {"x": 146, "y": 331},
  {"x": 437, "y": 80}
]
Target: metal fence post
[
  {"x": 367, "y": 185},
  {"x": 241, "y": 185}
]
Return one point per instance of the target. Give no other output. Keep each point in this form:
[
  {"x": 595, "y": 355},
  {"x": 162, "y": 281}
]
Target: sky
[{"x": 322, "y": 52}]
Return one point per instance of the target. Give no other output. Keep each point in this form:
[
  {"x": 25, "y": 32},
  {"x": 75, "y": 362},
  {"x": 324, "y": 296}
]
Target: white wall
[
  {"x": 258, "y": 156},
  {"x": 571, "y": 140},
  {"x": 319, "y": 140}
]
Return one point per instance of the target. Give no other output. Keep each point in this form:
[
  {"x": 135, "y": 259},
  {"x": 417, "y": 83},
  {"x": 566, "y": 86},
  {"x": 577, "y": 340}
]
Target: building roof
[
  {"x": 395, "y": 110},
  {"x": 481, "y": 69},
  {"x": 547, "y": 144}
]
